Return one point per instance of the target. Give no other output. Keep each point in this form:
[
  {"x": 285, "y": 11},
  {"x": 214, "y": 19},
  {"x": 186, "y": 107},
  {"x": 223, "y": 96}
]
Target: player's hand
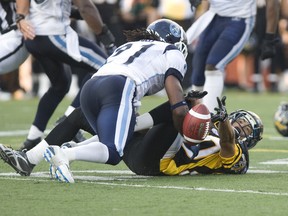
[
  {"x": 107, "y": 39},
  {"x": 268, "y": 49},
  {"x": 195, "y": 3},
  {"x": 221, "y": 112},
  {"x": 195, "y": 94},
  {"x": 192, "y": 96}
]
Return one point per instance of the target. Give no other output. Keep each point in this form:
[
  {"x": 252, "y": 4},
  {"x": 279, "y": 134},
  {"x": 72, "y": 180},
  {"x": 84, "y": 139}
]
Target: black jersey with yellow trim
[{"x": 208, "y": 160}]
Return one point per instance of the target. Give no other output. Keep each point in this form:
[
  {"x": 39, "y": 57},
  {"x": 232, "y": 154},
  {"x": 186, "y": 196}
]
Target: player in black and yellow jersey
[{"x": 162, "y": 151}]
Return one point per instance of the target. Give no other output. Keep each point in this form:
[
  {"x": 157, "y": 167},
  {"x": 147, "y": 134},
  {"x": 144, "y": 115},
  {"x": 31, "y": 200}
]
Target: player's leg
[
  {"x": 51, "y": 53},
  {"x": 143, "y": 153},
  {"x": 234, "y": 34}
]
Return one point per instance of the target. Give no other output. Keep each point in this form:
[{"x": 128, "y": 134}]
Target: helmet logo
[{"x": 176, "y": 32}]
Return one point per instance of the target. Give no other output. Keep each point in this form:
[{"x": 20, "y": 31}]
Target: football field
[{"x": 113, "y": 190}]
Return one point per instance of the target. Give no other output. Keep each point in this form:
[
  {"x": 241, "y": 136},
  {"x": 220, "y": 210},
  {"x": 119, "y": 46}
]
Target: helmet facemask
[{"x": 248, "y": 127}]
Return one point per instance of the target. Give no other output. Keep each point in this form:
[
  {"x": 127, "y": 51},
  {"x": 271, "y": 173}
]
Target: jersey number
[{"x": 135, "y": 55}]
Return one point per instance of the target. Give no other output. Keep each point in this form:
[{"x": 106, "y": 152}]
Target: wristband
[
  {"x": 181, "y": 103},
  {"x": 19, "y": 17}
]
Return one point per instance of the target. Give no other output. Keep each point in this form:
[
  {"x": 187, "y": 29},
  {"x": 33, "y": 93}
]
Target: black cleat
[{"x": 17, "y": 160}]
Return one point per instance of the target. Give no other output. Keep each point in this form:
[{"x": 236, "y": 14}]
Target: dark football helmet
[
  {"x": 170, "y": 32},
  {"x": 251, "y": 120},
  {"x": 281, "y": 119}
]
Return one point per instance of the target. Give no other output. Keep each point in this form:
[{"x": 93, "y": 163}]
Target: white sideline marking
[
  {"x": 17, "y": 133},
  {"x": 88, "y": 181},
  {"x": 100, "y": 180},
  {"x": 283, "y": 161}
]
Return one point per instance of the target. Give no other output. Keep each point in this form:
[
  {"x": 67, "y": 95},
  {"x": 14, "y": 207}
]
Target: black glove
[
  {"x": 268, "y": 49},
  {"x": 195, "y": 3},
  {"x": 193, "y": 95},
  {"x": 221, "y": 112},
  {"x": 107, "y": 39}
]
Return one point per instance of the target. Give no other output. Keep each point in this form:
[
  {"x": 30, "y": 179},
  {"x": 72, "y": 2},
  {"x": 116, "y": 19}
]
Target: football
[{"x": 196, "y": 124}]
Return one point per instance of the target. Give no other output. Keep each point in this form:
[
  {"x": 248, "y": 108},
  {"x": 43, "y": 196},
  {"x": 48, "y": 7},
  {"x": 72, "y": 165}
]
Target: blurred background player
[
  {"x": 51, "y": 40},
  {"x": 226, "y": 26}
]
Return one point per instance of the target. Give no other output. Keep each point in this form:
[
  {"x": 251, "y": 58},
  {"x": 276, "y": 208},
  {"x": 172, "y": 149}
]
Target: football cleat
[
  {"x": 17, "y": 160},
  {"x": 59, "y": 164}
]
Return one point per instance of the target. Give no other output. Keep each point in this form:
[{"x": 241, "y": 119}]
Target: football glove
[
  {"x": 221, "y": 112},
  {"x": 268, "y": 48},
  {"x": 107, "y": 39},
  {"x": 193, "y": 95}
]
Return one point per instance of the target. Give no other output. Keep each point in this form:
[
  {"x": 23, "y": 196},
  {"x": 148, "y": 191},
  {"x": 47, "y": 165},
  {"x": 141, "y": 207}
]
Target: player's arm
[
  {"x": 163, "y": 114},
  {"x": 225, "y": 129},
  {"x": 268, "y": 49},
  {"x": 178, "y": 105},
  {"x": 91, "y": 15},
  {"x": 22, "y": 10},
  {"x": 272, "y": 16}
]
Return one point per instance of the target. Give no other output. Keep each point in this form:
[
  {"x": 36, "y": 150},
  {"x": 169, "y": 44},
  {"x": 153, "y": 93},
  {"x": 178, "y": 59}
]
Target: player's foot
[
  {"x": 29, "y": 144},
  {"x": 60, "y": 164},
  {"x": 17, "y": 160},
  {"x": 52, "y": 170}
]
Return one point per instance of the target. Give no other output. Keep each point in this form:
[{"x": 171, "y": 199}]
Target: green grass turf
[{"x": 112, "y": 190}]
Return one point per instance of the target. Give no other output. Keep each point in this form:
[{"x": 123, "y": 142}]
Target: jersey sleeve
[{"x": 177, "y": 65}]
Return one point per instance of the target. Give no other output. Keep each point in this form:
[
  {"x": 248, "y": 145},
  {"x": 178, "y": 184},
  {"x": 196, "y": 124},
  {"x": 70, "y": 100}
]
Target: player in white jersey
[
  {"x": 228, "y": 27},
  {"x": 150, "y": 62},
  {"x": 45, "y": 25},
  {"x": 13, "y": 52}
]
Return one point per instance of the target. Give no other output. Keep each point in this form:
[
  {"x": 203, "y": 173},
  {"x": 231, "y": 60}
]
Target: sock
[
  {"x": 214, "y": 83},
  {"x": 35, "y": 155},
  {"x": 95, "y": 152},
  {"x": 34, "y": 133},
  {"x": 144, "y": 121},
  {"x": 69, "y": 110},
  {"x": 87, "y": 141}
]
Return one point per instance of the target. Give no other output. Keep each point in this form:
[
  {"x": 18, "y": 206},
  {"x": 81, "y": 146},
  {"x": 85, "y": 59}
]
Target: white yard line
[{"x": 126, "y": 175}]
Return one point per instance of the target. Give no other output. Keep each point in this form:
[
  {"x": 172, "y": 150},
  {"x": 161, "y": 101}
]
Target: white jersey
[
  {"x": 234, "y": 8},
  {"x": 148, "y": 63},
  {"x": 50, "y": 17}
]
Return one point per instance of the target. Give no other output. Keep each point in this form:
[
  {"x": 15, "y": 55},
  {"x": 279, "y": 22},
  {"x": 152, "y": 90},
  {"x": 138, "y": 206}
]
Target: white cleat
[{"x": 59, "y": 164}]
